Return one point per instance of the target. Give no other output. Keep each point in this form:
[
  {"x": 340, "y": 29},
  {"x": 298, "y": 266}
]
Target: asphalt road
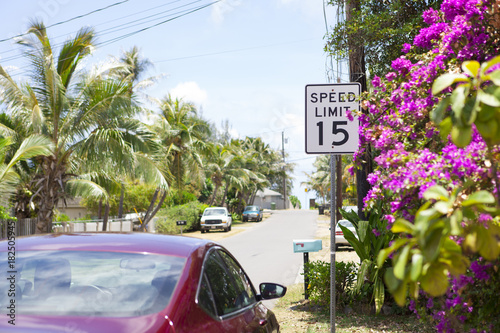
[{"x": 266, "y": 250}]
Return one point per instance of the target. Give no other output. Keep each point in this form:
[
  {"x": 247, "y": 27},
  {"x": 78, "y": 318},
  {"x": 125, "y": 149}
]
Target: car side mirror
[{"x": 271, "y": 290}]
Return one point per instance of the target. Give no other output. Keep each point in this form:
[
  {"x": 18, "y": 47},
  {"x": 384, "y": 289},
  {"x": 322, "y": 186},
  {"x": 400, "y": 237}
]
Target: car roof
[{"x": 115, "y": 242}]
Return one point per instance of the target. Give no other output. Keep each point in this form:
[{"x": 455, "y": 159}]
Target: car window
[
  {"x": 112, "y": 284},
  {"x": 230, "y": 287},
  {"x": 346, "y": 224},
  {"x": 223, "y": 288},
  {"x": 212, "y": 212},
  {"x": 205, "y": 297},
  {"x": 246, "y": 294}
]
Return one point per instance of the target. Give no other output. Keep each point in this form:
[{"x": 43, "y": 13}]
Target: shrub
[
  {"x": 318, "y": 273},
  {"x": 189, "y": 212}
]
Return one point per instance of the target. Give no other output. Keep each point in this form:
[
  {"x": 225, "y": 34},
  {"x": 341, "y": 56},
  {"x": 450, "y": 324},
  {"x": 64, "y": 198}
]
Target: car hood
[
  {"x": 213, "y": 217},
  {"x": 55, "y": 324}
]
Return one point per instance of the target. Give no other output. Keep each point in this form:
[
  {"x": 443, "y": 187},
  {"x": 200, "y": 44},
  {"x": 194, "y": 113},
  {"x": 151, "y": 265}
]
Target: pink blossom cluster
[{"x": 409, "y": 154}]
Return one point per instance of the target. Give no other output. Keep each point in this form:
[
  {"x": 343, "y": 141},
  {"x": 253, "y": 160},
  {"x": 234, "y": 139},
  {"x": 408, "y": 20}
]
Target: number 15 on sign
[{"x": 328, "y": 128}]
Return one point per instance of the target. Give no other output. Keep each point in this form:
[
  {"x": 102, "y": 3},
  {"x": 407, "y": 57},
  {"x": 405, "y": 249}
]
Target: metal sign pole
[{"x": 333, "y": 217}]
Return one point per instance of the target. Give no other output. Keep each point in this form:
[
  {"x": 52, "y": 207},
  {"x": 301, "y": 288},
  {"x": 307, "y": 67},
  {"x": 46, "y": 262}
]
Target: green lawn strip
[{"x": 295, "y": 315}]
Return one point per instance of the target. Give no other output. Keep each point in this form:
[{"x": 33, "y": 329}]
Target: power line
[
  {"x": 179, "y": 15},
  {"x": 69, "y": 20},
  {"x": 231, "y": 51},
  {"x": 126, "y": 25}
]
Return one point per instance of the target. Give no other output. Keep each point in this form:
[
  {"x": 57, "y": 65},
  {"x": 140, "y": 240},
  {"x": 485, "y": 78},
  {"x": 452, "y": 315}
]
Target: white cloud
[
  {"x": 189, "y": 92},
  {"x": 222, "y": 8}
]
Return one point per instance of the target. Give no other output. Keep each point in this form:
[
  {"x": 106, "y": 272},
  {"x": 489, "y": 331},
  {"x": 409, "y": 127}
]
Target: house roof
[{"x": 268, "y": 193}]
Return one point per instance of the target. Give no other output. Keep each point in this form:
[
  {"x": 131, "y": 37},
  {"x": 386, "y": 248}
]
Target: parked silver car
[{"x": 339, "y": 235}]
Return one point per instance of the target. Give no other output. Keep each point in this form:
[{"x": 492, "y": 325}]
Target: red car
[{"x": 106, "y": 282}]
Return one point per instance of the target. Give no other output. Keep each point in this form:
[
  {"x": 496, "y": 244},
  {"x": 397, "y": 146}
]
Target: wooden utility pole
[
  {"x": 357, "y": 73},
  {"x": 284, "y": 168}
]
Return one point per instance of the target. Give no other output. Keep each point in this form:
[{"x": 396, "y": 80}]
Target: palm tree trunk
[
  {"x": 99, "y": 210},
  {"x": 106, "y": 216},
  {"x": 152, "y": 211},
  {"x": 122, "y": 196},
  {"x": 214, "y": 195},
  {"x": 51, "y": 189},
  {"x": 226, "y": 189}
]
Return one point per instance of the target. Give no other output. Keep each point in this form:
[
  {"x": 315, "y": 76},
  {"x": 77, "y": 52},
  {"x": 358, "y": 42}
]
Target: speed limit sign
[{"x": 328, "y": 128}]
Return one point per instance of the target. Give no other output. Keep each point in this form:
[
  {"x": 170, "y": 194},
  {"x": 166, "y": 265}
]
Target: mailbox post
[
  {"x": 181, "y": 223},
  {"x": 305, "y": 246}
]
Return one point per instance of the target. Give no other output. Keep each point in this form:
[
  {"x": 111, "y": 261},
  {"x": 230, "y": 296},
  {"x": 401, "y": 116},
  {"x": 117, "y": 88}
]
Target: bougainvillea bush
[{"x": 438, "y": 179}]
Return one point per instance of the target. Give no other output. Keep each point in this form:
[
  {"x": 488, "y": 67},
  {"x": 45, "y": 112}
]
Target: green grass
[{"x": 296, "y": 315}]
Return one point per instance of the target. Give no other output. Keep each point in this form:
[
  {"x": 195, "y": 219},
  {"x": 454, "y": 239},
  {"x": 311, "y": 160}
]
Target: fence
[
  {"x": 124, "y": 225},
  {"x": 26, "y": 227},
  {"x": 21, "y": 228}
]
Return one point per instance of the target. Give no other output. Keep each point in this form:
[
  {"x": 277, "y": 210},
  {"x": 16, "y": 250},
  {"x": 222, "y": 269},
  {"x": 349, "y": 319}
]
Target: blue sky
[{"x": 244, "y": 61}]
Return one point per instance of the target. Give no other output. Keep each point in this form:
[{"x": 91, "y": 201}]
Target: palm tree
[
  {"x": 183, "y": 134},
  {"x": 319, "y": 181},
  {"x": 86, "y": 116},
  {"x": 131, "y": 67},
  {"x": 33, "y": 146}
]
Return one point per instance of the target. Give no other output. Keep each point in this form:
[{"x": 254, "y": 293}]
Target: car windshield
[
  {"x": 83, "y": 283},
  {"x": 251, "y": 208},
  {"x": 346, "y": 224},
  {"x": 212, "y": 212}
]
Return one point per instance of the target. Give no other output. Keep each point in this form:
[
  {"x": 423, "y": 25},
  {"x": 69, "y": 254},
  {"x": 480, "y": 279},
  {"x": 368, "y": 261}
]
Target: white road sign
[{"x": 328, "y": 130}]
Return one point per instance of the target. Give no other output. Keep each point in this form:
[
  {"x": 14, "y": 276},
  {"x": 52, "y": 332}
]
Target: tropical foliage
[
  {"x": 77, "y": 132},
  {"x": 430, "y": 125}
]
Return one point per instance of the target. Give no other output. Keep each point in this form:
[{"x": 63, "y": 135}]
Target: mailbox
[
  {"x": 181, "y": 222},
  {"x": 307, "y": 245}
]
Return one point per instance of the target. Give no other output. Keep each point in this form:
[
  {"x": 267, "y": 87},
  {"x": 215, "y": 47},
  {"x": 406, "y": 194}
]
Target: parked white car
[
  {"x": 216, "y": 218},
  {"x": 339, "y": 235}
]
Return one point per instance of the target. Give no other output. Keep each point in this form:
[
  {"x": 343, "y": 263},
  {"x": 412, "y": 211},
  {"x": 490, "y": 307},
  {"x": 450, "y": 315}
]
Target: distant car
[
  {"x": 133, "y": 283},
  {"x": 216, "y": 218},
  {"x": 252, "y": 213},
  {"x": 339, "y": 234}
]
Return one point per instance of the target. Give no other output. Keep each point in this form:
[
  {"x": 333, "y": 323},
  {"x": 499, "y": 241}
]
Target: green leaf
[
  {"x": 432, "y": 243},
  {"x": 400, "y": 265},
  {"x": 451, "y": 246},
  {"x": 443, "y": 206},
  {"x": 363, "y": 270},
  {"x": 489, "y": 247},
  {"x": 391, "y": 281},
  {"x": 471, "y": 67},
  {"x": 456, "y": 263},
  {"x": 486, "y": 112},
  {"x": 384, "y": 253},
  {"x": 470, "y": 242},
  {"x": 490, "y": 63},
  {"x": 414, "y": 289},
  {"x": 417, "y": 261},
  {"x": 355, "y": 243},
  {"x": 445, "y": 128},
  {"x": 446, "y": 80},
  {"x": 461, "y": 136},
  {"x": 378, "y": 294},
  {"x": 480, "y": 197},
  {"x": 436, "y": 192},
  {"x": 434, "y": 281},
  {"x": 456, "y": 222},
  {"x": 493, "y": 77},
  {"x": 401, "y": 225},
  {"x": 362, "y": 230},
  {"x": 488, "y": 99},
  {"x": 458, "y": 101},
  {"x": 437, "y": 114},
  {"x": 469, "y": 112},
  {"x": 424, "y": 216}
]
